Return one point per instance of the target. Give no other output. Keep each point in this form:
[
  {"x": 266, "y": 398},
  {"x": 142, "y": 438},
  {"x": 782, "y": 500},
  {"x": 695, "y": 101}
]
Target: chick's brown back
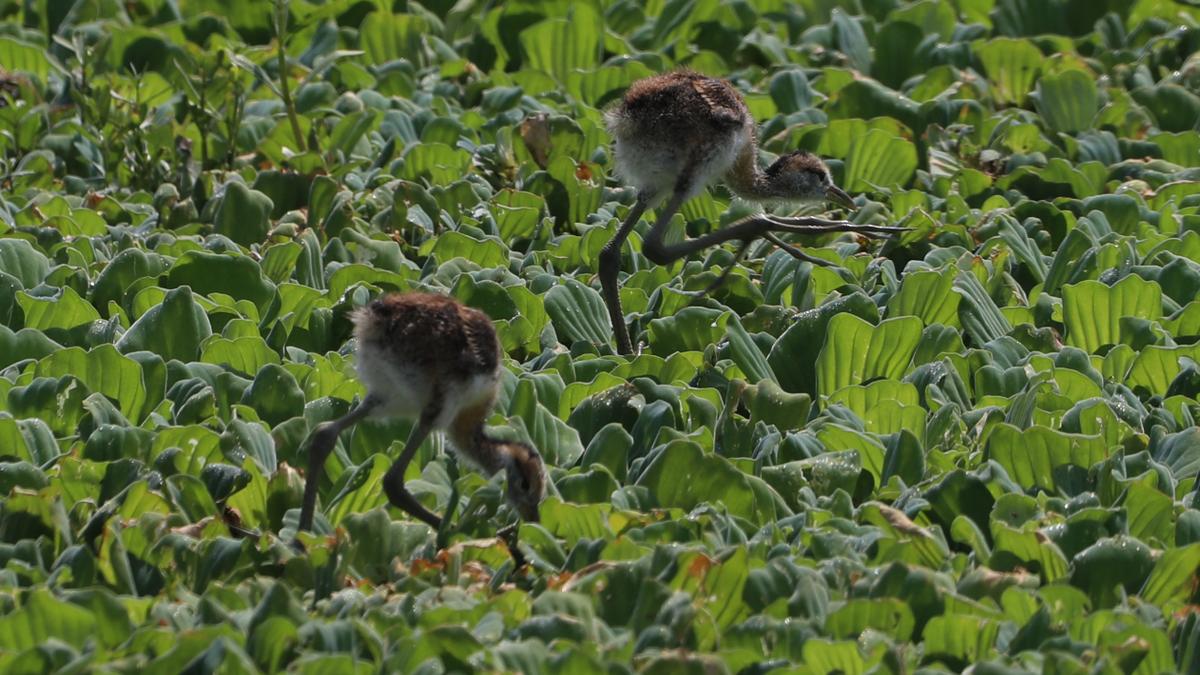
[{"x": 433, "y": 333}]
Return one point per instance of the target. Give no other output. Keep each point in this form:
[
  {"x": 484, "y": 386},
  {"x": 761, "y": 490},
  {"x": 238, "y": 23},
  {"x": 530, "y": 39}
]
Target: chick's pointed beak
[{"x": 839, "y": 196}]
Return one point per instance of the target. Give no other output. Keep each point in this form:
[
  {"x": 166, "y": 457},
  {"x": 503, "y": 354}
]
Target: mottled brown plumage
[
  {"x": 429, "y": 358},
  {"x": 431, "y": 331},
  {"x": 676, "y": 133},
  {"x": 683, "y": 104}
]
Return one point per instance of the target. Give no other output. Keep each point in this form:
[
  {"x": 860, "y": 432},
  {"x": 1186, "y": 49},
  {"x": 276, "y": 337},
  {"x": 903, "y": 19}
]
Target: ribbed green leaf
[
  {"x": 1092, "y": 311},
  {"x": 560, "y": 47},
  {"x": 1068, "y": 100},
  {"x": 879, "y": 160},
  {"x": 386, "y": 37},
  {"x": 928, "y": 296},
  {"x": 1012, "y": 65},
  {"x": 578, "y": 313},
  {"x": 856, "y": 352},
  {"x": 1032, "y": 457}
]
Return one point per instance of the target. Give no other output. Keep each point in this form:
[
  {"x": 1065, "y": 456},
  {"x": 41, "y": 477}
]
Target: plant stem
[{"x": 281, "y": 13}]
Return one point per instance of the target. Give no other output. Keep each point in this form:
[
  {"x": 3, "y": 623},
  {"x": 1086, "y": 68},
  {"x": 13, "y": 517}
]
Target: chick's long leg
[
  {"x": 610, "y": 265},
  {"x": 393, "y": 481},
  {"x": 747, "y": 229},
  {"x": 795, "y": 252},
  {"x": 323, "y": 440}
]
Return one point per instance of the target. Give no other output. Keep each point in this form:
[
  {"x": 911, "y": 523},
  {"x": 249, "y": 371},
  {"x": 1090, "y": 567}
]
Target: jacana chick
[
  {"x": 429, "y": 358},
  {"x": 676, "y": 133}
]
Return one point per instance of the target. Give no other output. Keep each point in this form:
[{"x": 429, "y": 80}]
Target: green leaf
[
  {"x": 22, "y": 57},
  {"x": 1150, "y": 514},
  {"x": 790, "y": 91},
  {"x": 824, "y": 656},
  {"x": 1092, "y": 311},
  {"x": 887, "y": 615},
  {"x": 927, "y": 295},
  {"x": 119, "y": 275},
  {"x": 930, "y": 16},
  {"x": 683, "y": 476},
  {"x": 1173, "y": 576},
  {"x": 26, "y": 343},
  {"x": 245, "y": 355},
  {"x": 173, "y": 330},
  {"x": 255, "y": 441},
  {"x": 386, "y": 37},
  {"x": 578, "y": 313},
  {"x": 1030, "y": 548},
  {"x": 362, "y": 491},
  {"x": 1109, "y": 564},
  {"x": 746, "y": 353},
  {"x": 243, "y": 214},
  {"x": 275, "y": 395},
  {"x": 1181, "y": 148},
  {"x": 866, "y": 99},
  {"x": 234, "y": 275},
  {"x": 1033, "y": 457},
  {"x": 856, "y": 352},
  {"x": 791, "y": 357},
  {"x": 558, "y": 442},
  {"x": 44, "y": 617},
  {"x": 104, "y": 370},
  {"x": 689, "y": 329},
  {"x": 980, "y": 317},
  {"x": 560, "y": 47},
  {"x": 894, "y": 62},
  {"x": 487, "y": 253},
  {"x": 517, "y": 214},
  {"x": 1012, "y": 65},
  {"x": 64, "y": 311},
  {"x": 879, "y": 160},
  {"x": 435, "y": 162},
  {"x": 849, "y": 38},
  {"x": 1155, "y": 367},
  {"x": 584, "y": 185},
  {"x": 601, "y": 85},
  {"x": 350, "y": 130},
  {"x": 964, "y": 638},
  {"x": 58, "y": 400},
  {"x": 572, "y": 522},
  {"x": 772, "y": 405},
  {"x": 21, "y": 260},
  {"x": 1173, "y": 108},
  {"x": 377, "y": 541},
  {"x": 1067, "y": 100}
]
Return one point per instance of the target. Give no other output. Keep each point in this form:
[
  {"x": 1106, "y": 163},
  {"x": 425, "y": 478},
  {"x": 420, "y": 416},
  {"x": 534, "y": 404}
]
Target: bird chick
[
  {"x": 429, "y": 358},
  {"x": 675, "y": 134}
]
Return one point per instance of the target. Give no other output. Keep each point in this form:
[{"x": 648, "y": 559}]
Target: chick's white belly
[
  {"x": 654, "y": 165},
  {"x": 406, "y": 390},
  {"x": 403, "y": 391}
]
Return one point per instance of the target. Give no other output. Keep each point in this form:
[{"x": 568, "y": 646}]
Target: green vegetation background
[{"x": 975, "y": 443}]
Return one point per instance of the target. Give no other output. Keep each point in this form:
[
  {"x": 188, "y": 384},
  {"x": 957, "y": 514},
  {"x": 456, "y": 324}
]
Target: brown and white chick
[
  {"x": 675, "y": 134},
  {"x": 429, "y": 358}
]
